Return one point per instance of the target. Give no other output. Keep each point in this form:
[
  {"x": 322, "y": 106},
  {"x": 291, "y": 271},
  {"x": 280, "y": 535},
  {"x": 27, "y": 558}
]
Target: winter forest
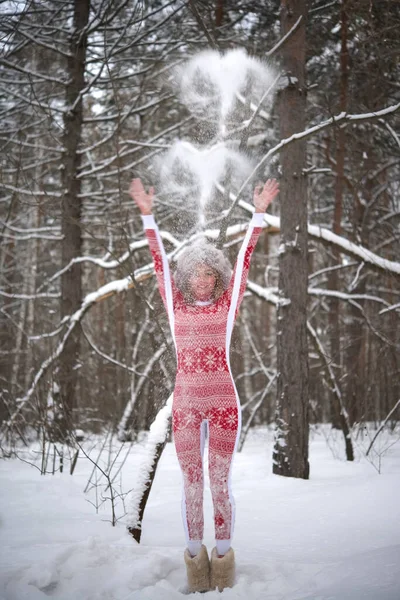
[{"x": 202, "y": 99}]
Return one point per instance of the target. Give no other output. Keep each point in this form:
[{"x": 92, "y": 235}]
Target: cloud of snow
[
  {"x": 209, "y": 82},
  {"x": 222, "y": 91},
  {"x": 190, "y": 172}
]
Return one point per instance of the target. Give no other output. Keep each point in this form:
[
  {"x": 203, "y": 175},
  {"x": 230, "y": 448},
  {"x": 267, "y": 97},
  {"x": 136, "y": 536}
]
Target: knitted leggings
[{"x": 190, "y": 426}]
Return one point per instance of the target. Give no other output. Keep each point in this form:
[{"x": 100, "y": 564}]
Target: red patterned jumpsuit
[{"x": 205, "y": 392}]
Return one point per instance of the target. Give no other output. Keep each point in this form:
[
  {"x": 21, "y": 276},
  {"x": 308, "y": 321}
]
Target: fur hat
[{"x": 201, "y": 252}]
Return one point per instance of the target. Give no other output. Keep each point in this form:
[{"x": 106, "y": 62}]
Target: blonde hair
[{"x": 202, "y": 252}]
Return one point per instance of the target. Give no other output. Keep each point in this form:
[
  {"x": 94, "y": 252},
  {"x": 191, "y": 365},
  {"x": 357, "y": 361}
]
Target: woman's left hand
[{"x": 263, "y": 196}]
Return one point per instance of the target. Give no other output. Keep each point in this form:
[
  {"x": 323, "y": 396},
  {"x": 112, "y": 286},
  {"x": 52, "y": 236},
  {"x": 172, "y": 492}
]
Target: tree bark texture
[
  {"x": 71, "y": 284},
  {"x": 290, "y": 457},
  {"x": 338, "y": 419}
]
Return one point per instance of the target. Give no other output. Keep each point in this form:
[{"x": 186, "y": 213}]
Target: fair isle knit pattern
[{"x": 204, "y": 388}]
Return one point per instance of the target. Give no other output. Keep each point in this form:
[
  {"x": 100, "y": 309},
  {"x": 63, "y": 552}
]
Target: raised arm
[
  {"x": 144, "y": 201},
  {"x": 262, "y": 198}
]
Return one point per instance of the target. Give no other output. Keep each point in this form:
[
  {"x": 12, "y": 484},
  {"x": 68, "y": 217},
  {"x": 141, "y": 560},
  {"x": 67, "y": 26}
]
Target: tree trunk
[
  {"x": 71, "y": 284},
  {"x": 338, "y": 419},
  {"x": 290, "y": 456}
]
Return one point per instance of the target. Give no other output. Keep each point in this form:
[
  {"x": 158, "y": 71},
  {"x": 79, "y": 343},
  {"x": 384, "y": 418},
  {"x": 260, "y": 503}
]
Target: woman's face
[{"x": 202, "y": 282}]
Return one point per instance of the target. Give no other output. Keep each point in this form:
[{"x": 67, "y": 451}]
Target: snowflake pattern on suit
[{"x": 204, "y": 387}]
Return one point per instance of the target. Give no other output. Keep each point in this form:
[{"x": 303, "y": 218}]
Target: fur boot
[
  {"x": 198, "y": 570},
  {"x": 222, "y": 570}
]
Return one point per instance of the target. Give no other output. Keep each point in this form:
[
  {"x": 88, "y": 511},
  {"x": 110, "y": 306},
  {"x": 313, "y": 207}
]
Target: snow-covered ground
[{"x": 334, "y": 537}]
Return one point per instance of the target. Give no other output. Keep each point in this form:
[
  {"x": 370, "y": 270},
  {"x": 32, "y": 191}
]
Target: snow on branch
[
  {"x": 269, "y": 294},
  {"x": 392, "y": 307},
  {"x": 284, "y": 38},
  {"x": 122, "y": 116},
  {"x": 27, "y": 192},
  {"x": 103, "y": 19},
  {"x": 354, "y": 249},
  {"x": 29, "y": 296},
  {"x": 23, "y": 402},
  {"x": 342, "y": 119},
  {"x": 257, "y": 109},
  {"x": 101, "y": 262},
  {"x": 343, "y": 296},
  {"x": 29, "y": 230},
  {"x": 101, "y": 166},
  {"x": 23, "y": 31},
  {"x": 147, "y": 33},
  {"x": 391, "y": 131},
  {"x": 36, "y": 146},
  {"x": 144, "y": 271},
  {"x": 348, "y": 247},
  {"x": 30, "y": 72},
  {"x": 105, "y": 291},
  {"x": 32, "y": 236}
]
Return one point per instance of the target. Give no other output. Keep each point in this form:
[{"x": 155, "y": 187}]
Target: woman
[{"x": 202, "y": 301}]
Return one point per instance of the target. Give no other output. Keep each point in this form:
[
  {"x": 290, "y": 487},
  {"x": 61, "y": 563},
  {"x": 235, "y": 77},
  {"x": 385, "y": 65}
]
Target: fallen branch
[{"x": 154, "y": 447}]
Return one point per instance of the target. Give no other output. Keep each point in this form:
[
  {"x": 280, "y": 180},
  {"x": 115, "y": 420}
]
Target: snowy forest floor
[{"x": 334, "y": 537}]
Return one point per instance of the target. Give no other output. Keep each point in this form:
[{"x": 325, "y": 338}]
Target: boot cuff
[
  {"x": 222, "y": 570},
  {"x": 198, "y": 570}
]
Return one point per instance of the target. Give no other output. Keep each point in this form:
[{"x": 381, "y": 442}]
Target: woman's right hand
[{"x": 142, "y": 199}]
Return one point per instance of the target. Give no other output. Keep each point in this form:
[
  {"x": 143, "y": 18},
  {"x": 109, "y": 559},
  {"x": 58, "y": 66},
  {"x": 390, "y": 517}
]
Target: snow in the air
[
  {"x": 210, "y": 81},
  {"x": 334, "y": 537},
  {"x": 210, "y": 84}
]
